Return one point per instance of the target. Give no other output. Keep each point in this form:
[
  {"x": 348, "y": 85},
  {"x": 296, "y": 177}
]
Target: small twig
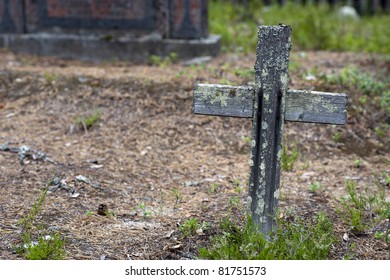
[
  {"x": 85, "y": 127},
  {"x": 7, "y": 227},
  {"x": 26, "y": 152}
]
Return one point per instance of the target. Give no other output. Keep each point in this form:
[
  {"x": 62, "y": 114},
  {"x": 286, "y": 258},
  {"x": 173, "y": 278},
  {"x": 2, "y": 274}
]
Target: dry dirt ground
[{"x": 155, "y": 165}]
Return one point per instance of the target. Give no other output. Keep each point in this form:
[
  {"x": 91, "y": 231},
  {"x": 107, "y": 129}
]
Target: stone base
[{"x": 104, "y": 48}]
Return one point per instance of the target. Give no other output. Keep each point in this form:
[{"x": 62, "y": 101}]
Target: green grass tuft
[
  {"x": 289, "y": 158},
  {"x": 191, "y": 226},
  {"x": 295, "y": 239},
  {"x": 88, "y": 121},
  {"x": 163, "y": 61},
  {"x": 361, "y": 210},
  {"x": 48, "y": 247}
]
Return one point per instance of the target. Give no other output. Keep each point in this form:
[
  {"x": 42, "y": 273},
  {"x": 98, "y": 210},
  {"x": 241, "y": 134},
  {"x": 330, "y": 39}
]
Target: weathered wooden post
[
  {"x": 269, "y": 103},
  {"x": 271, "y": 78}
]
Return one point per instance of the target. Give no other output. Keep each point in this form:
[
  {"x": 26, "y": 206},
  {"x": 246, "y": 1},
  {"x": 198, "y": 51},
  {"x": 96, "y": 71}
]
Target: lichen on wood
[
  {"x": 300, "y": 105},
  {"x": 271, "y": 68}
]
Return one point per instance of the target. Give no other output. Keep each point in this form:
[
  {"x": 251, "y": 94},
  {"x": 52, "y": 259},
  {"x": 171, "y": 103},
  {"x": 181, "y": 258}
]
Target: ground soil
[{"x": 155, "y": 165}]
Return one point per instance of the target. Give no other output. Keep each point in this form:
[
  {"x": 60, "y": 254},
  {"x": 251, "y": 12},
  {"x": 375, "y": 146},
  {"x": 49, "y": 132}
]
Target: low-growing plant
[
  {"x": 48, "y": 247},
  {"x": 363, "y": 82},
  {"x": 184, "y": 73},
  {"x": 27, "y": 221},
  {"x": 385, "y": 235},
  {"x": 225, "y": 81},
  {"x": 289, "y": 158},
  {"x": 349, "y": 251},
  {"x": 360, "y": 210},
  {"x": 294, "y": 65},
  {"x": 163, "y": 61},
  {"x": 213, "y": 188},
  {"x": 380, "y": 131},
  {"x": 145, "y": 211},
  {"x": 336, "y": 136},
  {"x": 189, "y": 227},
  {"x": 244, "y": 73},
  {"x": 178, "y": 197},
  {"x": 246, "y": 139},
  {"x": 386, "y": 177},
  {"x": 357, "y": 163},
  {"x": 89, "y": 213},
  {"x": 353, "y": 77},
  {"x": 50, "y": 77},
  {"x": 234, "y": 201},
  {"x": 89, "y": 120},
  {"x": 294, "y": 239},
  {"x": 111, "y": 213},
  {"x": 238, "y": 186},
  {"x": 315, "y": 187},
  {"x": 385, "y": 101}
]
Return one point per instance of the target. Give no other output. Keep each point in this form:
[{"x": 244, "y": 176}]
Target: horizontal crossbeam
[{"x": 301, "y": 105}]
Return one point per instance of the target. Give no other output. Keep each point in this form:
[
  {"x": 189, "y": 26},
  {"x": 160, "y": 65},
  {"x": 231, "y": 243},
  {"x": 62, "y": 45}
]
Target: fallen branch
[{"x": 25, "y": 152}]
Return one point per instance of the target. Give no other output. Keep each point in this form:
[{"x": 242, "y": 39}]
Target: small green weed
[
  {"x": 353, "y": 77},
  {"x": 386, "y": 179},
  {"x": 89, "y": 213},
  {"x": 111, "y": 213},
  {"x": 50, "y": 77},
  {"x": 293, "y": 240},
  {"x": 238, "y": 186},
  {"x": 381, "y": 129},
  {"x": 213, "y": 188},
  {"x": 305, "y": 165},
  {"x": 89, "y": 120},
  {"x": 385, "y": 101},
  {"x": 357, "y": 163},
  {"x": 234, "y": 201},
  {"x": 27, "y": 221},
  {"x": 315, "y": 187},
  {"x": 360, "y": 210},
  {"x": 145, "y": 211},
  {"x": 289, "y": 158},
  {"x": 246, "y": 139},
  {"x": 178, "y": 197},
  {"x": 163, "y": 61},
  {"x": 336, "y": 136},
  {"x": 191, "y": 226},
  {"x": 245, "y": 144},
  {"x": 48, "y": 247},
  {"x": 294, "y": 65},
  {"x": 365, "y": 83},
  {"x": 245, "y": 73},
  {"x": 350, "y": 248},
  {"x": 385, "y": 235},
  {"x": 184, "y": 73},
  {"x": 225, "y": 81}
]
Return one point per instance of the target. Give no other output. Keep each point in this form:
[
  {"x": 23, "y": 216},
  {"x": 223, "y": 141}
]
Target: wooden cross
[{"x": 269, "y": 103}]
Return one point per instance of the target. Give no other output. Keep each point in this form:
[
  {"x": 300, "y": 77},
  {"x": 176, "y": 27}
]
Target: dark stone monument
[{"x": 107, "y": 29}]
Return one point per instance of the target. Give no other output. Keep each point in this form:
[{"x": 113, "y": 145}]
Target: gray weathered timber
[
  {"x": 316, "y": 107},
  {"x": 271, "y": 82},
  {"x": 301, "y": 105},
  {"x": 221, "y": 100}
]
